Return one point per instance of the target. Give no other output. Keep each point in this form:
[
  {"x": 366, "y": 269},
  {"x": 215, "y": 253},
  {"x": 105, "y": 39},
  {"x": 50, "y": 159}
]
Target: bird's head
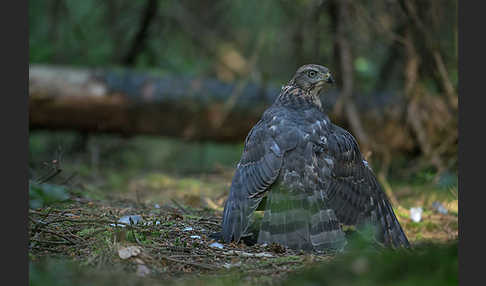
[{"x": 312, "y": 78}]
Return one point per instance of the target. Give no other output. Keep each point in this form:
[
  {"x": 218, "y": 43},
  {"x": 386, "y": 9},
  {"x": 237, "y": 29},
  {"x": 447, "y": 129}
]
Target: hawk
[{"x": 312, "y": 174}]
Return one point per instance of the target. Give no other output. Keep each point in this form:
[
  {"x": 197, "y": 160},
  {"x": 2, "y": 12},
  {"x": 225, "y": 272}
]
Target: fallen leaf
[
  {"x": 127, "y": 252},
  {"x": 216, "y": 245}
]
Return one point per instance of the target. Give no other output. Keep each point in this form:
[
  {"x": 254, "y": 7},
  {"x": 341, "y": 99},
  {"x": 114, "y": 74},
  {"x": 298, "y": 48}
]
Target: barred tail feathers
[{"x": 300, "y": 221}]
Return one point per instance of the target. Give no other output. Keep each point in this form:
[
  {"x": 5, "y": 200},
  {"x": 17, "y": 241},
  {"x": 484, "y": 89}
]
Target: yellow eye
[{"x": 311, "y": 73}]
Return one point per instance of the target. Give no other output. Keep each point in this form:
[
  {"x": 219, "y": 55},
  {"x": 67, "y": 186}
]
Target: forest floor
[
  {"x": 77, "y": 238},
  {"x": 170, "y": 242}
]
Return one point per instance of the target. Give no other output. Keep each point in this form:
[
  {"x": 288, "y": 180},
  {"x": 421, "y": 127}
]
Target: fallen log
[{"x": 129, "y": 103}]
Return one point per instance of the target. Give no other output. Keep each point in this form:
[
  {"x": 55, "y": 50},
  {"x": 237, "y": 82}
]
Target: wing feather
[
  {"x": 354, "y": 192},
  {"x": 257, "y": 170}
]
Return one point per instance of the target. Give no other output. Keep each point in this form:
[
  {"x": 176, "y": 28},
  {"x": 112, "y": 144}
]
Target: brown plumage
[{"x": 312, "y": 173}]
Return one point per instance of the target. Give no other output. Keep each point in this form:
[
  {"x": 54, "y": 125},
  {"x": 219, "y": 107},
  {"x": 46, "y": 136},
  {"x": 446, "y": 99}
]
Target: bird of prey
[{"x": 312, "y": 174}]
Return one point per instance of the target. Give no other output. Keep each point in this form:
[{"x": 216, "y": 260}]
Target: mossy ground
[{"x": 72, "y": 242}]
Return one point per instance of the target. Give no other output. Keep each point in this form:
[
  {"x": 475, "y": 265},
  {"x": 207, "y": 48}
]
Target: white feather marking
[
  {"x": 323, "y": 196},
  {"x": 367, "y": 165},
  {"x": 276, "y": 149}
]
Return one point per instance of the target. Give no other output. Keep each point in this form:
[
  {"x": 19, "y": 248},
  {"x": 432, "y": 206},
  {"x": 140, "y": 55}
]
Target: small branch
[
  {"x": 56, "y": 172},
  {"x": 139, "y": 41},
  {"x": 69, "y": 178},
  {"x": 58, "y": 235},
  {"x": 446, "y": 82},
  {"x": 179, "y": 206},
  {"x": 200, "y": 265},
  {"x": 49, "y": 241},
  {"x": 89, "y": 221},
  {"x": 202, "y": 221}
]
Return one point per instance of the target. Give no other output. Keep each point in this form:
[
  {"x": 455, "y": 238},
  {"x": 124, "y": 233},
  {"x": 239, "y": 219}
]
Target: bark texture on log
[
  {"x": 136, "y": 103},
  {"x": 130, "y": 103}
]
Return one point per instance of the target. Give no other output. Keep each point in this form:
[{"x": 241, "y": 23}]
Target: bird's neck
[{"x": 294, "y": 96}]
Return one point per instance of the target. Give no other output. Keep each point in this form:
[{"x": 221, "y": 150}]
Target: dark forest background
[
  {"x": 395, "y": 61},
  {"x": 151, "y": 100}
]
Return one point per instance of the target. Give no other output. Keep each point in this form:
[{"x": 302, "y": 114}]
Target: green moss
[
  {"x": 428, "y": 265},
  {"x": 431, "y": 226},
  {"x": 86, "y": 231},
  {"x": 191, "y": 217}
]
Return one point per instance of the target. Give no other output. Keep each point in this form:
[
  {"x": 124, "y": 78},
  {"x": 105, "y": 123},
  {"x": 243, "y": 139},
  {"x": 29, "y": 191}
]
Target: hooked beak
[{"x": 329, "y": 78}]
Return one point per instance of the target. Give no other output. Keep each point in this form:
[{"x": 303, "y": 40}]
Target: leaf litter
[
  {"x": 164, "y": 242},
  {"x": 152, "y": 242}
]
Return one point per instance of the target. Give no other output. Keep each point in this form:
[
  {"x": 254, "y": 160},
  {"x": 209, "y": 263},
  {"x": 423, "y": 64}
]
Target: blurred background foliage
[
  {"x": 378, "y": 50},
  {"x": 381, "y": 52},
  {"x": 217, "y": 38}
]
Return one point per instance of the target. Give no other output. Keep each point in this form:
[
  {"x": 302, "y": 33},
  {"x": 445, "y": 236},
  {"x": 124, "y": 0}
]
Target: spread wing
[
  {"x": 354, "y": 192},
  {"x": 258, "y": 168}
]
